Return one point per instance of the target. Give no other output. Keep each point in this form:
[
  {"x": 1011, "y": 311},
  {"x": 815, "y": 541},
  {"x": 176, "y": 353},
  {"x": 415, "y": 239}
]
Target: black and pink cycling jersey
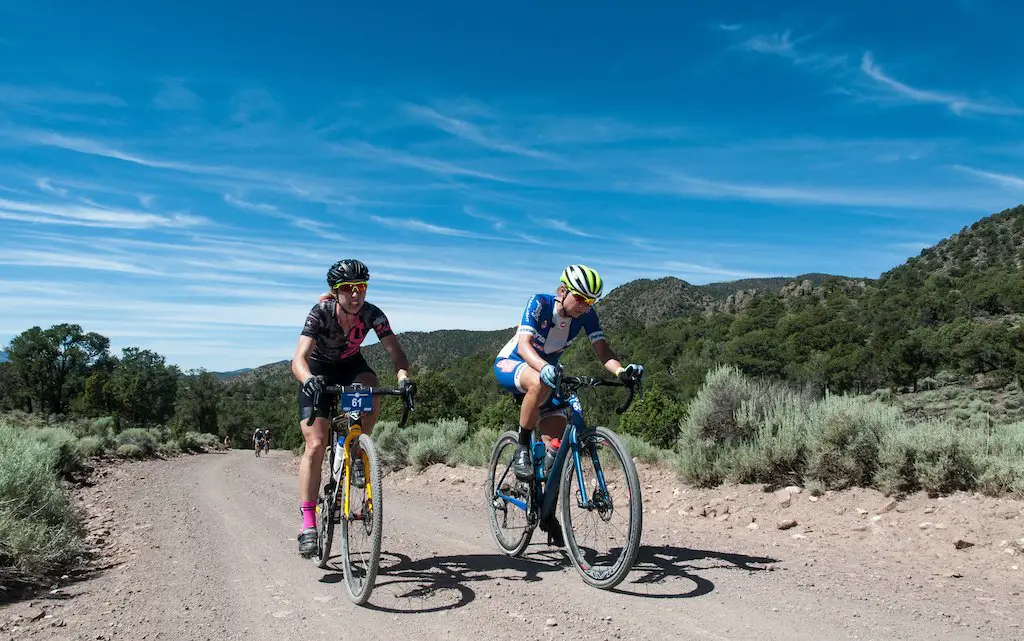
[{"x": 333, "y": 345}]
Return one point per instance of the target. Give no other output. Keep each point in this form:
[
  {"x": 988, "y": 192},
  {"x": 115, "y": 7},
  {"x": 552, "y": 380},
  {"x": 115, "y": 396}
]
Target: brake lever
[
  {"x": 635, "y": 387},
  {"x": 629, "y": 399},
  {"x": 407, "y": 404}
]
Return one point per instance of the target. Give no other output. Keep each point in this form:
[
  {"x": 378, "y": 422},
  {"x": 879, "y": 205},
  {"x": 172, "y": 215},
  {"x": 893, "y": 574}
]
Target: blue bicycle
[{"x": 591, "y": 472}]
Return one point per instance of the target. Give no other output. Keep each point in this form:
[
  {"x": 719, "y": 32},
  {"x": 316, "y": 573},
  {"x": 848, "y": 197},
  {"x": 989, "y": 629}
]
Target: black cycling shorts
[{"x": 339, "y": 373}]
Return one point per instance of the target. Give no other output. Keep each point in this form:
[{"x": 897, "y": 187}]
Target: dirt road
[{"x": 203, "y": 547}]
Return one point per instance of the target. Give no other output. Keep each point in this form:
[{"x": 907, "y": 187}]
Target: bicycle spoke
[
  {"x": 361, "y": 526},
  {"x": 602, "y": 511},
  {"x": 507, "y": 499}
]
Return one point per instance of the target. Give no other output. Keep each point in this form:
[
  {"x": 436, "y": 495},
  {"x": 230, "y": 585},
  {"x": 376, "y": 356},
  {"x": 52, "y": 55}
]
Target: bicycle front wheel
[
  {"x": 602, "y": 512},
  {"x": 362, "y": 527}
]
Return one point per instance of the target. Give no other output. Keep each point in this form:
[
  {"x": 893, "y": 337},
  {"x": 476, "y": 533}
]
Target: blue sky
[{"x": 179, "y": 176}]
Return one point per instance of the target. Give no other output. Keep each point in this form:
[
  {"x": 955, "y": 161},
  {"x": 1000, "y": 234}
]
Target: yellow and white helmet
[{"x": 583, "y": 280}]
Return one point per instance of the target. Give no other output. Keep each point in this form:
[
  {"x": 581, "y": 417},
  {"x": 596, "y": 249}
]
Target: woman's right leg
[
  {"x": 309, "y": 481},
  {"x": 312, "y": 458}
]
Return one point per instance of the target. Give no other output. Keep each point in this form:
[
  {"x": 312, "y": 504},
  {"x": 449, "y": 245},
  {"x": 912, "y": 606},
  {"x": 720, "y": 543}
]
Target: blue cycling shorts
[{"x": 508, "y": 371}]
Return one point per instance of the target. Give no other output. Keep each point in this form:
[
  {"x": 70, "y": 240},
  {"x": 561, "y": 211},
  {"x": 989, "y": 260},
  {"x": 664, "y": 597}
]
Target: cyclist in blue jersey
[{"x": 525, "y": 366}]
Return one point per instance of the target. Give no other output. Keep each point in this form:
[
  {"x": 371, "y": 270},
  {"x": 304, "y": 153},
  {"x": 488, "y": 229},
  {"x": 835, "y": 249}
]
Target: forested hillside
[{"x": 954, "y": 309}]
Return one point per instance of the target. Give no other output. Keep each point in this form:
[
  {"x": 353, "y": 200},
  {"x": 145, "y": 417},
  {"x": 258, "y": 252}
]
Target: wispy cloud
[
  {"x": 684, "y": 184},
  {"x": 252, "y": 105},
  {"x": 272, "y": 211},
  {"x": 64, "y": 259},
  {"x": 774, "y": 43},
  {"x": 92, "y": 216},
  {"x": 783, "y": 45},
  {"x": 16, "y": 95},
  {"x": 709, "y": 270},
  {"x": 497, "y": 223},
  {"x": 425, "y": 163},
  {"x": 959, "y": 105},
  {"x": 473, "y": 133},
  {"x": 1003, "y": 180},
  {"x": 562, "y": 226},
  {"x": 176, "y": 96},
  {"x": 412, "y": 224},
  {"x": 45, "y": 184},
  {"x": 533, "y": 240},
  {"x": 95, "y": 148},
  {"x": 730, "y": 27}
]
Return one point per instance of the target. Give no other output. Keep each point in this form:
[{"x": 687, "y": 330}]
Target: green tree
[
  {"x": 144, "y": 387},
  {"x": 197, "y": 402},
  {"x": 96, "y": 398},
  {"x": 436, "y": 398},
  {"x": 51, "y": 364},
  {"x": 11, "y": 395},
  {"x": 656, "y": 419},
  {"x": 501, "y": 414}
]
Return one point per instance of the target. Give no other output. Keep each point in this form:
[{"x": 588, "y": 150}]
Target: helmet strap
[{"x": 561, "y": 303}]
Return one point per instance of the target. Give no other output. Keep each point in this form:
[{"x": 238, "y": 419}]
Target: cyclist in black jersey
[{"x": 329, "y": 353}]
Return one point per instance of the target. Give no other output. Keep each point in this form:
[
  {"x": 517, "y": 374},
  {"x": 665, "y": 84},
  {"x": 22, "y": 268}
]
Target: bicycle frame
[
  {"x": 354, "y": 430},
  {"x": 575, "y": 435}
]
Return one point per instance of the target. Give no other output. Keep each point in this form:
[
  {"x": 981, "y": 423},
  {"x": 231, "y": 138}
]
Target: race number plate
[{"x": 357, "y": 402}]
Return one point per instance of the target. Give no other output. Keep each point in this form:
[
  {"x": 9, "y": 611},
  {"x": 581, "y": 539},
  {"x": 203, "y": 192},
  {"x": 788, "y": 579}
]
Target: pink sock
[{"x": 308, "y": 514}]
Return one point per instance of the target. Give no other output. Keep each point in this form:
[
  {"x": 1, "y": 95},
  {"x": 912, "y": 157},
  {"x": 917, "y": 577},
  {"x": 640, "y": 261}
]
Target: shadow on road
[
  {"x": 668, "y": 572},
  {"x": 440, "y": 583}
]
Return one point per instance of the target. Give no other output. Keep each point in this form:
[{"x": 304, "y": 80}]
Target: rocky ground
[{"x": 203, "y": 547}]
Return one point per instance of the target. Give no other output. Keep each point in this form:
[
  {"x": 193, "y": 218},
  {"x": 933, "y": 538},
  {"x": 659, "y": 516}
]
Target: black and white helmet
[{"x": 347, "y": 270}]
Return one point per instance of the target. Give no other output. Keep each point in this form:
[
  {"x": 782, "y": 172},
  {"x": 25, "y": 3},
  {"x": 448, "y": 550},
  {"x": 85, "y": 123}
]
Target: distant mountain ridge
[
  {"x": 645, "y": 300},
  {"x": 649, "y": 302}
]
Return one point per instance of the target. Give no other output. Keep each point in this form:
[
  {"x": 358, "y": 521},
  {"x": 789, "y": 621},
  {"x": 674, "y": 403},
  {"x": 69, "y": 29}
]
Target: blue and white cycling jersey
[{"x": 552, "y": 334}]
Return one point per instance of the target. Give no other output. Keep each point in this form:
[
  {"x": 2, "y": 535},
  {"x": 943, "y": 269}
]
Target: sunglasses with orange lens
[
  {"x": 350, "y": 288},
  {"x": 583, "y": 300}
]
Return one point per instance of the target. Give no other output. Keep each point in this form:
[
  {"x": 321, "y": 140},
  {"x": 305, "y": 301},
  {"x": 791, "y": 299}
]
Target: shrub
[
  {"x": 91, "y": 446},
  {"x": 132, "y": 450},
  {"x": 844, "y": 437},
  {"x": 711, "y": 416},
  {"x": 188, "y": 442},
  {"x": 934, "y": 457},
  {"x": 68, "y": 460},
  {"x": 40, "y": 533},
  {"x": 476, "y": 448},
  {"x": 142, "y": 439},
  {"x": 437, "y": 445},
  {"x": 392, "y": 445}
]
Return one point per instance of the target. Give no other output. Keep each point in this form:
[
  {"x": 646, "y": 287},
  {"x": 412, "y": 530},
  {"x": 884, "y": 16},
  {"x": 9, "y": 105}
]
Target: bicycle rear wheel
[
  {"x": 326, "y": 511},
  {"x": 612, "y": 489},
  {"x": 509, "y": 524},
  {"x": 362, "y": 527}
]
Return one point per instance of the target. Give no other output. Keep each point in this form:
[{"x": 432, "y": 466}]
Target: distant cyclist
[
  {"x": 257, "y": 440},
  {"x": 525, "y": 366},
  {"x": 329, "y": 353},
  {"x": 266, "y": 442}
]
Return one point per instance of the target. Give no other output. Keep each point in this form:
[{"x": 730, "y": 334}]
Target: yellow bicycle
[{"x": 359, "y": 509}]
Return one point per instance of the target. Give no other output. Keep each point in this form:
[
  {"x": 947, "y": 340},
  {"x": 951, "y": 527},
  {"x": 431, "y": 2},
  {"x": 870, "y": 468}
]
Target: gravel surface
[{"x": 203, "y": 547}]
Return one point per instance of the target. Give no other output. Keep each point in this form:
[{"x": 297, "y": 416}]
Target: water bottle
[
  {"x": 538, "y": 458},
  {"x": 339, "y": 456},
  {"x": 549, "y": 458}
]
